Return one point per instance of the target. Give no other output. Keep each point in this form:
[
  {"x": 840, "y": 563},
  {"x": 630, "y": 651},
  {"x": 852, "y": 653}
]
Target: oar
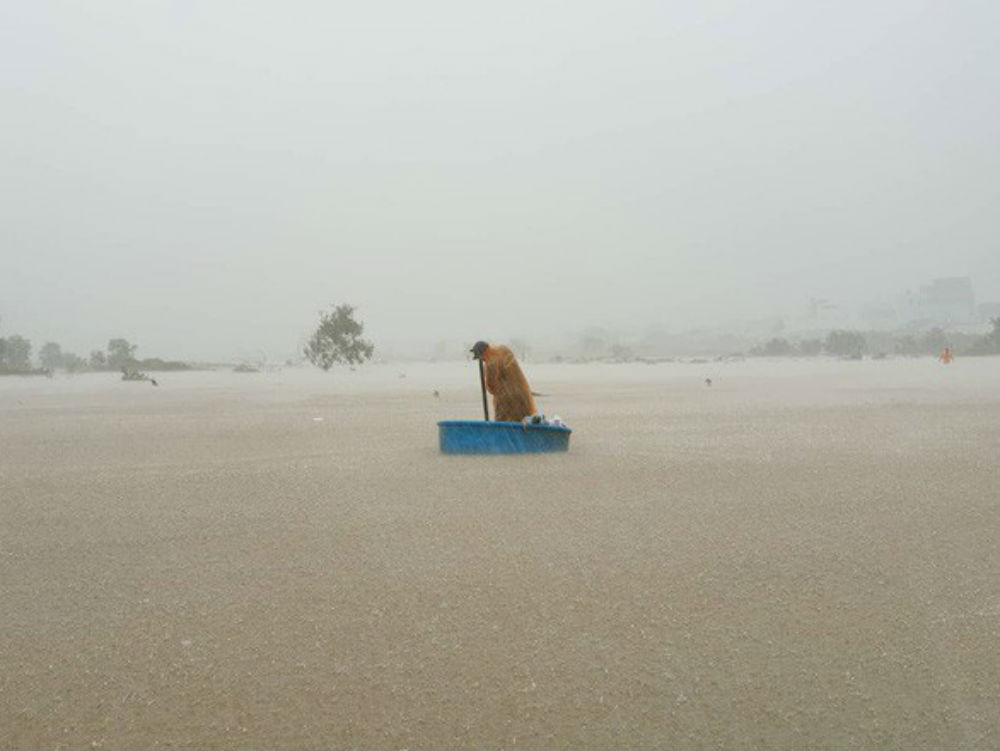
[{"x": 478, "y": 349}]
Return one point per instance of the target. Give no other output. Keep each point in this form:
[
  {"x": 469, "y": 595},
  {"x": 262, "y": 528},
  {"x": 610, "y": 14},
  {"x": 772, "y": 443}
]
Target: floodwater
[{"x": 802, "y": 555}]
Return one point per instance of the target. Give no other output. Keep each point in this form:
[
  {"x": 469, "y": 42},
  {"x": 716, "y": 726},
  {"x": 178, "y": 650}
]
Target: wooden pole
[{"x": 482, "y": 385}]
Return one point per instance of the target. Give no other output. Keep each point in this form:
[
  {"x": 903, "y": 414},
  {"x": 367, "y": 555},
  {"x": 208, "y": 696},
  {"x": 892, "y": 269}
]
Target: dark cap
[{"x": 479, "y": 349}]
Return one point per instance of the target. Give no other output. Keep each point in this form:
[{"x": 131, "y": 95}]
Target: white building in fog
[{"x": 949, "y": 300}]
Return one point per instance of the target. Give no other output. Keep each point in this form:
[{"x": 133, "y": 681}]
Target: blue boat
[{"x": 482, "y": 437}]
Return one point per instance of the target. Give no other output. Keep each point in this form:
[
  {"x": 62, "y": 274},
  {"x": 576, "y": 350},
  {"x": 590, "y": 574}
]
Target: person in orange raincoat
[
  {"x": 512, "y": 399},
  {"x": 946, "y": 357}
]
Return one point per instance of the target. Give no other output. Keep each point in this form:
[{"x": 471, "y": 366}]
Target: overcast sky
[{"x": 203, "y": 177}]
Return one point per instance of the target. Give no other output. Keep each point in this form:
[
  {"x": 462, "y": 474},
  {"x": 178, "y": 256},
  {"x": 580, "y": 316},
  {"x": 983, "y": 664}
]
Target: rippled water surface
[{"x": 803, "y": 554}]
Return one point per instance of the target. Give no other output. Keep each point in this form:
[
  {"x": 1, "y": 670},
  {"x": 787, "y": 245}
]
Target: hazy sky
[{"x": 203, "y": 177}]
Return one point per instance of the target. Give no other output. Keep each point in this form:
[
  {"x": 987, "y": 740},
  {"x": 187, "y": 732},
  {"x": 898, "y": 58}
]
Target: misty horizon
[{"x": 204, "y": 180}]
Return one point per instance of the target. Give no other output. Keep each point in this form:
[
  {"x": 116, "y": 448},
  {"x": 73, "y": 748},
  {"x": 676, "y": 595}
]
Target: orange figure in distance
[
  {"x": 512, "y": 400},
  {"x": 946, "y": 357}
]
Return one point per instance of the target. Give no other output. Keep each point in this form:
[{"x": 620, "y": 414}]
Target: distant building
[
  {"x": 943, "y": 301},
  {"x": 818, "y": 309},
  {"x": 878, "y": 317}
]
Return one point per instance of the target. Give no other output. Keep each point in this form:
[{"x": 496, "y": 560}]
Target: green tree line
[{"x": 15, "y": 358}]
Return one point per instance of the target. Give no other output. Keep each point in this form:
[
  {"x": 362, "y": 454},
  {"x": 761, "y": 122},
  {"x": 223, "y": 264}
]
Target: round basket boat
[{"x": 481, "y": 437}]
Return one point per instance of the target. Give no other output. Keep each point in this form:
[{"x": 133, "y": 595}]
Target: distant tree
[
  {"x": 810, "y": 347},
  {"x": 990, "y": 343},
  {"x": 906, "y": 345},
  {"x": 993, "y": 338},
  {"x": 933, "y": 341},
  {"x": 50, "y": 356},
  {"x": 776, "y": 347},
  {"x": 98, "y": 360},
  {"x": 73, "y": 362},
  {"x": 845, "y": 343},
  {"x": 120, "y": 353},
  {"x": 594, "y": 343},
  {"x": 622, "y": 352},
  {"x": 156, "y": 363},
  {"x": 338, "y": 339},
  {"x": 16, "y": 355}
]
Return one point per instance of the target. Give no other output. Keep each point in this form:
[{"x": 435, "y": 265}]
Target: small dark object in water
[
  {"x": 436, "y": 393},
  {"x": 708, "y": 382},
  {"x": 131, "y": 374}
]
